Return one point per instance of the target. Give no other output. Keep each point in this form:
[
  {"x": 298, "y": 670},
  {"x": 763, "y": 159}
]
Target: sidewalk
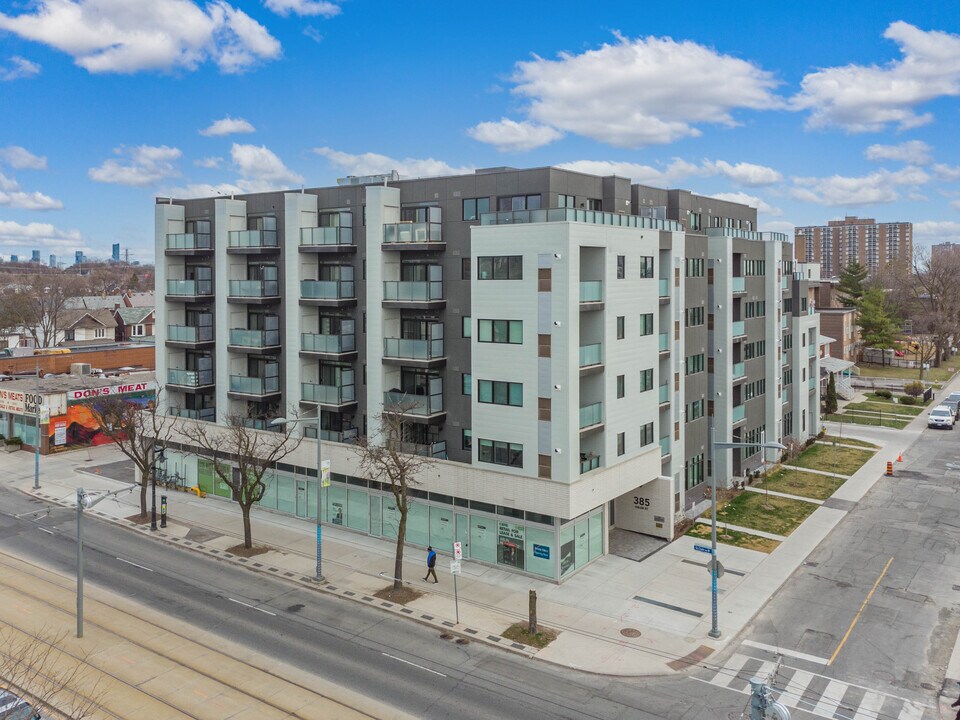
[{"x": 615, "y": 617}]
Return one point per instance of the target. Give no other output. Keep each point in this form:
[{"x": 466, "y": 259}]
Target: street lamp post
[
  {"x": 157, "y": 458},
  {"x": 715, "y": 563},
  {"x": 323, "y": 470}
]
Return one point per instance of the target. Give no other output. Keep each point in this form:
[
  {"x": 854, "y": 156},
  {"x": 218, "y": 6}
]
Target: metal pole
[
  {"x": 456, "y": 599},
  {"x": 319, "y": 493},
  {"x": 80, "y": 497},
  {"x": 153, "y": 491},
  {"x": 714, "y": 629},
  {"x": 36, "y": 449}
]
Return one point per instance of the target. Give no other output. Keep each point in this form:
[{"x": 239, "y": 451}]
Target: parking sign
[{"x": 458, "y": 550}]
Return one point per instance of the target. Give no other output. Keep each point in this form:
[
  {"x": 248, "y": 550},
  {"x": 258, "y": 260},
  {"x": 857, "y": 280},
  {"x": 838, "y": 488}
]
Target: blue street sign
[{"x": 703, "y": 548}]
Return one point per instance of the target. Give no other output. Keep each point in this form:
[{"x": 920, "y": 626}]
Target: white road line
[
  {"x": 252, "y": 607},
  {"x": 394, "y": 657},
  {"x": 728, "y": 673},
  {"x": 830, "y": 698},
  {"x": 48, "y": 532},
  {"x": 142, "y": 567},
  {"x": 794, "y": 690},
  {"x": 786, "y": 653},
  {"x": 869, "y": 708},
  {"x": 911, "y": 711}
]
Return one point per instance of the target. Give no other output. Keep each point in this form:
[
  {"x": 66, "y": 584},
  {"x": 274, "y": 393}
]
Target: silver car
[{"x": 941, "y": 416}]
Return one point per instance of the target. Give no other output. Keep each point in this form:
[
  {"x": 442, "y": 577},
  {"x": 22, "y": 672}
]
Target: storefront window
[
  {"x": 483, "y": 539},
  {"x": 391, "y": 518},
  {"x": 596, "y": 535},
  {"x": 582, "y": 543},
  {"x": 375, "y": 519},
  {"x": 510, "y": 544},
  {"x": 541, "y": 551},
  {"x": 24, "y": 427},
  {"x": 358, "y": 517},
  {"x": 418, "y": 524},
  {"x": 269, "y": 499},
  {"x": 336, "y": 504},
  {"x": 567, "y": 550},
  {"x": 286, "y": 493},
  {"x": 441, "y": 528},
  {"x": 205, "y": 476}
]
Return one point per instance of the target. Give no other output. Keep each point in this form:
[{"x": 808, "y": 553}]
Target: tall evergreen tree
[
  {"x": 830, "y": 401},
  {"x": 879, "y": 327},
  {"x": 851, "y": 289}
]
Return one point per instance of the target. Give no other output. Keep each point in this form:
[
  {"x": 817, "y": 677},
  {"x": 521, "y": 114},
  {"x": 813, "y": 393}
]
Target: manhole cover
[
  {"x": 630, "y": 632},
  {"x": 462, "y": 641}
]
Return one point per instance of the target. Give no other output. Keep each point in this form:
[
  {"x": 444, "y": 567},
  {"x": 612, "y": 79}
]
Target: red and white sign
[
  {"x": 88, "y": 393},
  {"x": 12, "y": 401},
  {"x": 458, "y": 550}
]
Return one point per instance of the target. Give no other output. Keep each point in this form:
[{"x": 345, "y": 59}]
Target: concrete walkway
[
  {"x": 741, "y": 529},
  {"x": 815, "y": 472},
  {"x": 788, "y": 496}
]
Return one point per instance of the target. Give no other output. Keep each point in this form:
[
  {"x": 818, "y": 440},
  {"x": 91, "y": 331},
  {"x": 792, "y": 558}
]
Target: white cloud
[
  {"x": 946, "y": 172},
  {"x": 644, "y": 91},
  {"x": 146, "y": 165},
  {"x": 673, "y": 173},
  {"x": 880, "y": 186},
  {"x": 863, "y": 98},
  {"x": 930, "y": 232},
  {"x": 12, "y": 196},
  {"x": 311, "y": 32},
  {"x": 227, "y": 126},
  {"x": 14, "y": 235},
  {"x": 127, "y": 36},
  {"x": 753, "y": 201},
  {"x": 744, "y": 173},
  {"x": 259, "y": 168},
  {"x": 780, "y": 226},
  {"x": 22, "y": 159},
  {"x": 303, "y": 7},
  {"x": 18, "y": 69},
  {"x": 374, "y": 164},
  {"x": 209, "y": 163},
  {"x": 913, "y": 152},
  {"x": 510, "y": 135}
]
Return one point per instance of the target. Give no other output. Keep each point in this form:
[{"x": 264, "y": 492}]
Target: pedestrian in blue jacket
[{"x": 431, "y": 564}]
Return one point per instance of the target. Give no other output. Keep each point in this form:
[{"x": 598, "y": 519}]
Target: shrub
[
  {"x": 13, "y": 441},
  {"x": 884, "y": 393},
  {"x": 907, "y": 400},
  {"x": 914, "y": 388}
]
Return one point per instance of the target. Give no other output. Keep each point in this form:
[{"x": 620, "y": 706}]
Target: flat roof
[{"x": 64, "y": 383}]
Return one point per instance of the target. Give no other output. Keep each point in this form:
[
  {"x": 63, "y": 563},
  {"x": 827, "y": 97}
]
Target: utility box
[{"x": 80, "y": 368}]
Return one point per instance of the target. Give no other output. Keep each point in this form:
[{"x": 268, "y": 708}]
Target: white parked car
[{"x": 941, "y": 416}]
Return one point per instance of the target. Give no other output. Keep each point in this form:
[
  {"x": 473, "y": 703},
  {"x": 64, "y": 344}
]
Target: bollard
[{"x": 889, "y": 469}]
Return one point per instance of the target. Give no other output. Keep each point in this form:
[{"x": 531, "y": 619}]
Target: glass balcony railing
[
  {"x": 785, "y": 321},
  {"x": 327, "y": 289},
  {"x": 412, "y": 232},
  {"x": 314, "y": 342},
  {"x": 254, "y": 288},
  {"x": 591, "y": 354},
  {"x": 254, "y": 385},
  {"x": 252, "y": 239},
  {"x": 326, "y": 236},
  {"x": 591, "y": 415},
  {"x": 738, "y": 284},
  {"x": 664, "y": 286},
  {"x": 811, "y": 350},
  {"x": 739, "y": 413},
  {"x": 188, "y": 241},
  {"x": 812, "y": 383},
  {"x": 189, "y": 378},
  {"x": 664, "y": 446},
  {"x": 328, "y": 394},
  {"x": 785, "y": 395},
  {"x": 784, "y": 282},
  {"x": 208, "y": 414},
  {"x": 664, "y": 393},
  {"x": 593, "y": 217},
  {"x": 591, "y": 291},
  {"x": 737, "y": 328},
  {"x": 411, "y": 404},
  {"x": 739, "y": 370},
  {"x": 190, "y": 288},
  {"x": 412, "y": 349},
  {"x": 590, "y": 463},
  {"x": 189, "y": 333},
  {"x": 412, "y": 290},
  {"x": 664, "y": 342},
  {"x": 254, "y": 338}
]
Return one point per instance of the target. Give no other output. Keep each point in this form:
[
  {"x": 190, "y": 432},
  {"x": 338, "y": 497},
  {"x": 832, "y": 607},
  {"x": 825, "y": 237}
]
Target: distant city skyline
[{"x": 116, "y": 109}]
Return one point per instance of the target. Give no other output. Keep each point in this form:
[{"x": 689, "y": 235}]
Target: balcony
[
  {"x": 254, "y": 292},
  {"x": 591, "y": 417},
  {"x": 589, "y": 463},
  {"x": 665, "y": 394},
  {"x": 591, "y": 294},
  {"x": 785, "y": 395},
  {"x": 421, "y": 294},
  {"x": 417, "y": 353},
  {"x": 413, "y": 236},
  {"x": 664, "y": 286},
  {"x": 738, "y": 285},
  {"x": 592, "y": 217},
  {"x": 812, "y": 383},
  {"x": 242, "y": 386},
  {"x": 591, "y": 358},
  {"x": 664, "y": 342},
  {"x": 259, "y": 424},
  {"x": 328, "y": 293},
  {"x": 426, "y": 407},
  {"x": 785, "y": 282},
  {"x": 252, "y": 242},
  {"x": 189, "y": 290},
  {"x": 189, "y": 335},
  {"x": 243, "y": 340},
  {"x": 188, "y": 244},
  {"x": 334, "y": 347},
  {"x": 785, "y": 322},
  {"x": 737, "y": 328},
  {"x": 739, "y": 413},
  {"x": 206, "y": 414},
  {"x": 189, "y": 379},
  {"x": 811, "y": 350},
  {"x": 327, "y": 240},
  {"x": 664, "y": 446},
  {"x": 739, "y": 371},
  {"x": 334, "y": 397}
]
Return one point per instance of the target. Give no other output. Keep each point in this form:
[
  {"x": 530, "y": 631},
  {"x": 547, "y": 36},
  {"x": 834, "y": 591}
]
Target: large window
[
  {"x": 694, "y": 267},
  {"x": 693, "y": 471},
  {"x": 500, "y": 267},
  {"x": 518, "y": 202},
  {"x": 646, "y": 434},
  {"x": 500, "y": 453},
  {"x": 496, "y": 392},
  {"x": 646, "y": 324},
  {"x": 646, "y": 267},
  {"x": 755, "y": 308},
  {"x": 694, "y": 410},
  {"x": 693, "y": 364},
  {"x": 754, "y": 349},
  {"x": 693, "y": 316},
  {"x": 754, "y": 267},
  {"x": 500, "y": 331},
  {"x": 646, "y": 380},
  {"x": 473, "y": 208},
  {"x": 754, "y": 389},
  {"x": 566, "y": 201}
]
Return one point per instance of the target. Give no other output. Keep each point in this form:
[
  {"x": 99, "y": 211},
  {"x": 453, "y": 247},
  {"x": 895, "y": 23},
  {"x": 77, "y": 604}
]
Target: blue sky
[{"x": 809, "y": 111}]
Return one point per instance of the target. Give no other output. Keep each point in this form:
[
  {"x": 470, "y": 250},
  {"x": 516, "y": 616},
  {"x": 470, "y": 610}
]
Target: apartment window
[
  {"x": 465, "y": 268},
  {"x": 694, "y": 267},
  {"x": 100, "y": 332},
  {"x": 754, "y": 267},
  {"x": 138, "y": 331},
  {"x": 518, "y": 202},
  {"x": 621, "y": 267},
  {"x": 646, "y": 324},
  {"x": 693, "y": 364},
  {"x": 500, "y": 267},
  {"x": 646, "y": 434},
  {"x": 594, "y": 204},
  {"x": 788, "y": 423},
  {"x": 754, "y": 389},
  {"x": 500, "y": 331},
  {"x": 566, "y": 201},
  {"x": 621, "y": 443},
  {"x": 646, "y": 266},
  {"x": 646, "y": 380},
  {"x": 788, "y": 305},
  {"x": 695, "y": 220},
  {"x": 496, "y": 392},
  {"x": 466, "y": 439},
  {"x": 757, "y": 308},
  {"x": 693, "y": 471},
  {"x": 467, "y": 383},
  {"x": 621, "y": 327},
  {"x": 693, "y": 316},
  {"x": 694, "y": 410},
  {"x": 755, "y": 349},
  {"x": 473, "y": 208},
  {"x": 787, "y": 342},
  {"x": 621, "y": 385},
  {"x": 788, "y": 377},
  {"x": 500, "y": 453}
]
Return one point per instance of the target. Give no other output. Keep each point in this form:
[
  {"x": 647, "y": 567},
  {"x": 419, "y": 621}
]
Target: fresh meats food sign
[{"x": 90, "y": 393}]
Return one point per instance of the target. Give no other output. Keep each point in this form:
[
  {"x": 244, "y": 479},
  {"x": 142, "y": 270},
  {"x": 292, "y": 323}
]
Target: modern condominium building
[
  {"x": 863, "y": 240},
  {"x": 559, "y": 343}
]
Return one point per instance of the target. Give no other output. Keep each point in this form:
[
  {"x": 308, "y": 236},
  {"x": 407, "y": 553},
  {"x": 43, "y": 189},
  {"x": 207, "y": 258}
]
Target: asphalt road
[{"x": 396, "y": 661}]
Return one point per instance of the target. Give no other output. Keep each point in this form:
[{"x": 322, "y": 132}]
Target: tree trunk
[
  {"x": 398, "y": 563},
  {"x": 144, "y": 483},
  {"x": 247, "y": 533}
]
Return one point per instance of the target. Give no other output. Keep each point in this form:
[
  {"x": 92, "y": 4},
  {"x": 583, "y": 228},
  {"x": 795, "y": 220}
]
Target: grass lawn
[
  {"x": 940, "y": 374},
  {"x": 874, "y": 398},
  {"x": 841, "y": 460},
  {"x": 885, "y": 408},
  {"x": 873, "y": 420},
  {"x": 797, "y": 482},
  {"x": 850, "y": 441},
  {"x": 735, "y": 537},
  {"x": 777, "y": 515}
]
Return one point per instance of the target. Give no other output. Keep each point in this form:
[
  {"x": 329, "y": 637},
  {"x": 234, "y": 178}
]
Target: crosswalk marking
[
  {"x": 830, "y": 699},
  {"x": 792, "y": 692},
  {"x": 911, "y": 711},
  {"x": 738, "y": 678},
  {"x": 869, "y": 708}
]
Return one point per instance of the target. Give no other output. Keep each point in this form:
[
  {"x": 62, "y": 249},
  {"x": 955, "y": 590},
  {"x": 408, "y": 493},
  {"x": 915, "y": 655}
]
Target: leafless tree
[
  {"x": 136, "y": 430},
  {"x": 38, "y": 303},
  {"x": 242, "y": 456},
  {"x": 389, "y": 458},
  {"x": 56, "y": 683}
]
